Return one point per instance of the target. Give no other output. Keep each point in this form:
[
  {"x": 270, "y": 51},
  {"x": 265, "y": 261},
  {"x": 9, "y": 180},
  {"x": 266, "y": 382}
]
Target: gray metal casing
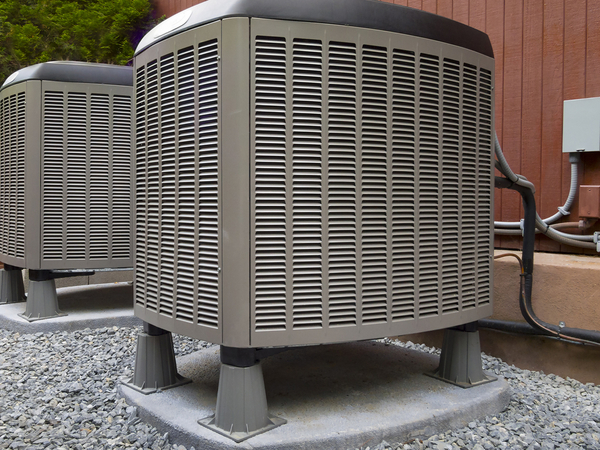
[
  {"x": 65, "y": 168},
  {"x": 279, "y": 196}
]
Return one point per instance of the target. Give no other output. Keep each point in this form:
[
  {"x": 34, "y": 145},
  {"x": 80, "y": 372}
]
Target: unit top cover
[
  {"x": 372, "y": 14},
  {"x": 73, "y": 72}
]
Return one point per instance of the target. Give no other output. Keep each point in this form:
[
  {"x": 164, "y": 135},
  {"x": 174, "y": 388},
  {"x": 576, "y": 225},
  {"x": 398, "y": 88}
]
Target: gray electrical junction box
[{"x": 581, "y": 125}]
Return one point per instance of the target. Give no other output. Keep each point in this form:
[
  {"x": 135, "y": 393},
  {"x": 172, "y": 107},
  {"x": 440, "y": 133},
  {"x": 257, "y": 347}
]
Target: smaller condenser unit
[
  {"x": 65, "y": 167},
  {"x": 312, "y": 172}
]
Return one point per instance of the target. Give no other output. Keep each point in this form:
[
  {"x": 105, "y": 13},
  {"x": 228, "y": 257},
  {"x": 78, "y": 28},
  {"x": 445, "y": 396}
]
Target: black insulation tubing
[{"x": 566, "y": 333}]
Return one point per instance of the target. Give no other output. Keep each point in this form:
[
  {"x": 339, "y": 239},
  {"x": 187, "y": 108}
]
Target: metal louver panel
[
  {"x": 121, "y": 201},
  {"x": 373, "y": 181},
  {"x": 307, "y": 240},
  {"x": 53, "y": 172},
  {"x": 177, "y": 277},
  {"x": 12, "y": 175},
  {"x": 404, "y": 138},
  {"x": 342, "y": 185},
  {"x": 100, "y": 160},
  {"x": 372, "y": 194},
  {"x": 485, "y": 217},
  {"x": 270, "y": 195},
  {"x": 86, "y": 176}
]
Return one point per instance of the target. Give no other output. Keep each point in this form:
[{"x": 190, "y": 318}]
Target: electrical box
[
  {"x": 581, "y": 125},
  {"x": 589, "y": 202}
]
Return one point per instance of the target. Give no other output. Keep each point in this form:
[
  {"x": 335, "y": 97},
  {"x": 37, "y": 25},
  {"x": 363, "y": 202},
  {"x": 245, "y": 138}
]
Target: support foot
[
  {"x": 241, "y": 400},
  {"x": 41, "y": 301},
  {"x": 11, "y": 285},
  {"x": 155, "y": 365},
  {"x": 460, "y": 361}
]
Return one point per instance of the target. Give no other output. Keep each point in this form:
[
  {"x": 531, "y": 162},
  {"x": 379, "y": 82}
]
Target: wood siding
[{"x": 546, "y": 52}]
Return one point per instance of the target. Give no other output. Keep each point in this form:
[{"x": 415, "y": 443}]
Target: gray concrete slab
[
  {"x": 336, "y": 397},
  {"x": 87, "y": 306}
]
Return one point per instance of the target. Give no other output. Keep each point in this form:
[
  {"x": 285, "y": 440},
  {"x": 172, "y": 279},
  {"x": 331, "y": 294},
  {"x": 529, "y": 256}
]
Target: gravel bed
[{"x": 58, "y": 391}]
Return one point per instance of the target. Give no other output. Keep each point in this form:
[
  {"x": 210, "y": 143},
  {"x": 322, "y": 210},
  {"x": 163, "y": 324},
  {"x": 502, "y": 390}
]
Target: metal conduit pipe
[
  {"x": 506, "y": 170},
  {"x": 569, "y": 334},
  {"x": 576, "y": 240},
  {"x": 583, "y": 240},
  {"x": 565, "y": 210}
]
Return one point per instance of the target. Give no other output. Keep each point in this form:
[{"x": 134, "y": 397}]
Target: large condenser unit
[
  {"x": 65, "y": 168},
  {"x": 312, "y": 172}
]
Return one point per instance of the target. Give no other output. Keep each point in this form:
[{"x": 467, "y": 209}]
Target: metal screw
[{"x": 561, "y": 324}]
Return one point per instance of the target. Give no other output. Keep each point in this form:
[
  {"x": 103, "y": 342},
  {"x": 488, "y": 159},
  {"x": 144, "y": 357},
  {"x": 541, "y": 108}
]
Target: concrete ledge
[
  {"x": 88, "y": 306},
  {"x": 565, "y": 288},
  {"x": 335, "y": 397}
]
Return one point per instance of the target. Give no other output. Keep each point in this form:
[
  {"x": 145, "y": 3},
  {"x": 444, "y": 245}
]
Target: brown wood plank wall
[{"x": 546, "y": 52}]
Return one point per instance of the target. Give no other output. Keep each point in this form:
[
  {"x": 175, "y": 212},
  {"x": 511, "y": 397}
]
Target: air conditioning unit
[
  {"x": 312, "y": 172},
  {"x": 65, "y": 167}
]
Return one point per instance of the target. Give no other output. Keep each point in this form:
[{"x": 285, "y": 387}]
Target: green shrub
[{"x": 34, "y": 31}]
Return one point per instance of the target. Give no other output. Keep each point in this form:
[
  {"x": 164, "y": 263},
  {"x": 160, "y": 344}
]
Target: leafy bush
[{"x": 35, "y": 31}]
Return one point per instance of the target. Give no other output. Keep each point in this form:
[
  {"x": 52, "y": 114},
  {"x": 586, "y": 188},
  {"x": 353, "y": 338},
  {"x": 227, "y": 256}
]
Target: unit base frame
[
  {"x": 241, "y": 411},
  {"x": 155, "y": 366},
  {"x": 12, "y": 289},
  {"x": 460, "y": 360}
]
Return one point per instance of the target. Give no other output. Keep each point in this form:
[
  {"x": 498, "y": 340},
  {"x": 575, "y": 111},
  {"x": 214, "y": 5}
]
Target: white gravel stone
[{"x": 58, "y": 391}]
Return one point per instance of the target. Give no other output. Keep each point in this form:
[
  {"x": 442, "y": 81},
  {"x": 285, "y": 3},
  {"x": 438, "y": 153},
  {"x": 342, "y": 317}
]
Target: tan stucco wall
[{"x": 565, "y": 288}]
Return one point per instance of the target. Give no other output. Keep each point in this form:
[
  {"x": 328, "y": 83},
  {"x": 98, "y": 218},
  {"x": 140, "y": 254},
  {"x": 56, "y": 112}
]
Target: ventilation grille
[
  {"x": 12, "y": 175},
  {"x": 177, "y": 185},
  {"x": 86, "y": 177},
  {"x": 373, "y": 189}
]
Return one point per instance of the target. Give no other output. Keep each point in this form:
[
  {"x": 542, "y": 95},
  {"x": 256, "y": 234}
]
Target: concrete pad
[
  {"x": 336, "y": 397},
  {"x": 88, "y": 306}
]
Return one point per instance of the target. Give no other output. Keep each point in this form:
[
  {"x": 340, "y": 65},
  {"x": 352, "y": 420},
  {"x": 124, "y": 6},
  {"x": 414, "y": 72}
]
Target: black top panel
[
  {"x": 73, "y": 72},
  {"x": 373, "y": 14}
]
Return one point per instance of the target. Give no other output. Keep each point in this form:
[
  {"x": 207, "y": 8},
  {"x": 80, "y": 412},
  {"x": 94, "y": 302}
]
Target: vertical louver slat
[
  {"x": 166, "y": 80},
  {"x": 12, "y": 176},
  {"x": 153, "y": 186},
  {"x": 429, "y": 188},
  {"x": 451, "y": 173},
  {"x": 4, "y": 118},
  {"x": 208, "y": 184},
  {"x": 270, "y": 183},
  {"x": 141, "y": 207},
  {"x": 306, "y": 184},
  {"x": 19, "y": 250},
  {"x": 469, "y": 186},
  {"x": 485, "y": 214},
  {"x": 403, "y": 185},
  {"x": 121, "y": 177},
  {"x": 374, "y": 184},
  {"x": 99, "y": 177},
  {"x": 76, "y": 175},
  {"x": 187, "y": 248},
  {"x": 53, "y": 174},
  {"x": 341, "y": 188}
]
